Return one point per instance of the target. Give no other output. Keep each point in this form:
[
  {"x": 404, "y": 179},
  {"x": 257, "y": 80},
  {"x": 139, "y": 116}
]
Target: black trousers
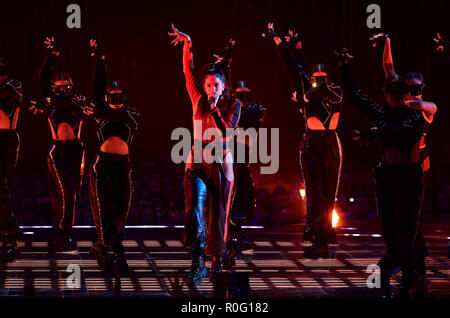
[
  {"x": 200, "y": 185},
  {"x": 9, "y": 151},
  {"x": 245, "y": 196},
  {"x": 321, "y": 160},
  {"x": 399, "y": 191},
  {"x": 65, "y": 163},
  {"x": 110, "y": 191}
]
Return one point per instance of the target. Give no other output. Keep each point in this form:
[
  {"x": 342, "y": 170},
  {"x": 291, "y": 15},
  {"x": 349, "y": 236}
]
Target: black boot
[
  {"x": 407, "y": 284},
  {"x": 230, "y": 254},
  {"x": 317, "y": 250},
  {"x": 385, "y": 282},
  {"x": 246, "y": 245},
  {"x": 308, "y": 235},
  {"x": 198, "y": 270},
  {"x": 10, "y": 251},
  {"x": 100, "y": 253},
  {"x": 119, "y": 261},
  {"x": 217, "y": 265},
  {"x": 64, "y": 242},
  {"x": 332, "y": 238}
]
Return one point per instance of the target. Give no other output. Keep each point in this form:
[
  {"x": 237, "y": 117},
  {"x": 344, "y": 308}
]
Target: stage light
[
  {"x": 302, "y": 193},
  {"x": 334, "y": 219},
  {"x": 352, "y": 200}
]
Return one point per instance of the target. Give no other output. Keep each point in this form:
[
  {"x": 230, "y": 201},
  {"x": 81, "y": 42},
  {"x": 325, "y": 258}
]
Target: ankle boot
[
  {"x": 317, "y": 250},
  {"x": 99, "y": 252},
  {"x": 198, "y": 270},
  {"x": 10, "y": 251},
  {"x": 217, "y": 266},
  {"x": 119, "y": 261},
  {"x": 64, "y": 242}
]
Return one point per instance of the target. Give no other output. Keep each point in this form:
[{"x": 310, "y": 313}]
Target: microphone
[{"x": 211, "y": 102}]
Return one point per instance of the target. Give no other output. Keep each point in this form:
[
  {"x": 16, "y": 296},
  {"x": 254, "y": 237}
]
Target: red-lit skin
[
  {"x": 414, "y": 102},
  {"x": 5, "y": 123}
]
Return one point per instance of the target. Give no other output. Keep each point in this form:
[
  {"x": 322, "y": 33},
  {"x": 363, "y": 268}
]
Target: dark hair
[
  {"x": 414, "y": 75},
  {"x": 395, "y": 85},
  {"x": 215, "y": 70},
  {"x": 212, "y": 69}
]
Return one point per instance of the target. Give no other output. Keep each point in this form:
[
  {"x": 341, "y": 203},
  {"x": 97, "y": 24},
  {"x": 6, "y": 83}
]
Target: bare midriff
[{"x": 115, "y": 145}]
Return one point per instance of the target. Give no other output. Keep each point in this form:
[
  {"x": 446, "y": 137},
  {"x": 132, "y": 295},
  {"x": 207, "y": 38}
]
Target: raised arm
[
  {"x": 429, "y": 108},
  {"x": 100, "y": 77},
  {"x": 292, "y": 59},
  {"x": 225, "y": 62},
  {"x": 370, "y": 109},
  {"x": 388, "y": 61},
  {"x": 47, "y": 68},
  {"x": 188, "y": 66}
]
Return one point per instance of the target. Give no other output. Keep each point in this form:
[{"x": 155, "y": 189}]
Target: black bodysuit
[
  {"x": 399, "y": 180},
  {"x": 120, "y": 122},
  {"x": 321, "y": 151},
  {"x": 61, "y": 108},
  {"x": 10, "y": 98}
]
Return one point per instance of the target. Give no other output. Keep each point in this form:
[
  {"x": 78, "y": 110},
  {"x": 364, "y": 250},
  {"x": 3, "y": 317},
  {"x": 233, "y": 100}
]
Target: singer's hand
[
  {"x": 179, "y": 36},
  {"x": 378, "y": 39}
]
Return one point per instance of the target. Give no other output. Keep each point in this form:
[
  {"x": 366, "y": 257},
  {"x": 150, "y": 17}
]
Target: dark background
[{"x": 134, "y": 36}]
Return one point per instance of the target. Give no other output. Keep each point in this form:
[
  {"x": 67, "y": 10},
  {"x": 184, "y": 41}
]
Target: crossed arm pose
[
  {"x": 10, "y": 102},
  {"x": 110, "y": 184},
  {"x": 65, "y": 112},
  {"x": 208, "y": 175},
  {"x": 321, "y": 153},
  {"x": 399, "y": 186}
]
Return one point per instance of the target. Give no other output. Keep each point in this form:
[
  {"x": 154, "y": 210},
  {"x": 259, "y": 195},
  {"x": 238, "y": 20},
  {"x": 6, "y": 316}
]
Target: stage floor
[{"x": 159, "y": 263}]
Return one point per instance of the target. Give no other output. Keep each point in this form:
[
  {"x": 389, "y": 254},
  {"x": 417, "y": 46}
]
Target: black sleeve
[
  {"x": 294, "y": 64},
  {"x": 11, "y": 90},
  {"x": 100, "y": 82},
  {"x": 228, "y": 120},
  {"x": 45, "y": 74},
  {"x": 370, "y": 109},
  {"x": 410, "y": 129}
]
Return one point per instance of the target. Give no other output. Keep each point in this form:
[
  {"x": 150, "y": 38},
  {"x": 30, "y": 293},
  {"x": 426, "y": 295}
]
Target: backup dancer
[
  {"x": 65, "y": 161},
  {"x": 10, "y": 100},
  {"x": 399, "y": 176},
  {"x": 110, "y": 184},
  {"x": 416, "y": 84},
  {"x": 321, "y": 153}
]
